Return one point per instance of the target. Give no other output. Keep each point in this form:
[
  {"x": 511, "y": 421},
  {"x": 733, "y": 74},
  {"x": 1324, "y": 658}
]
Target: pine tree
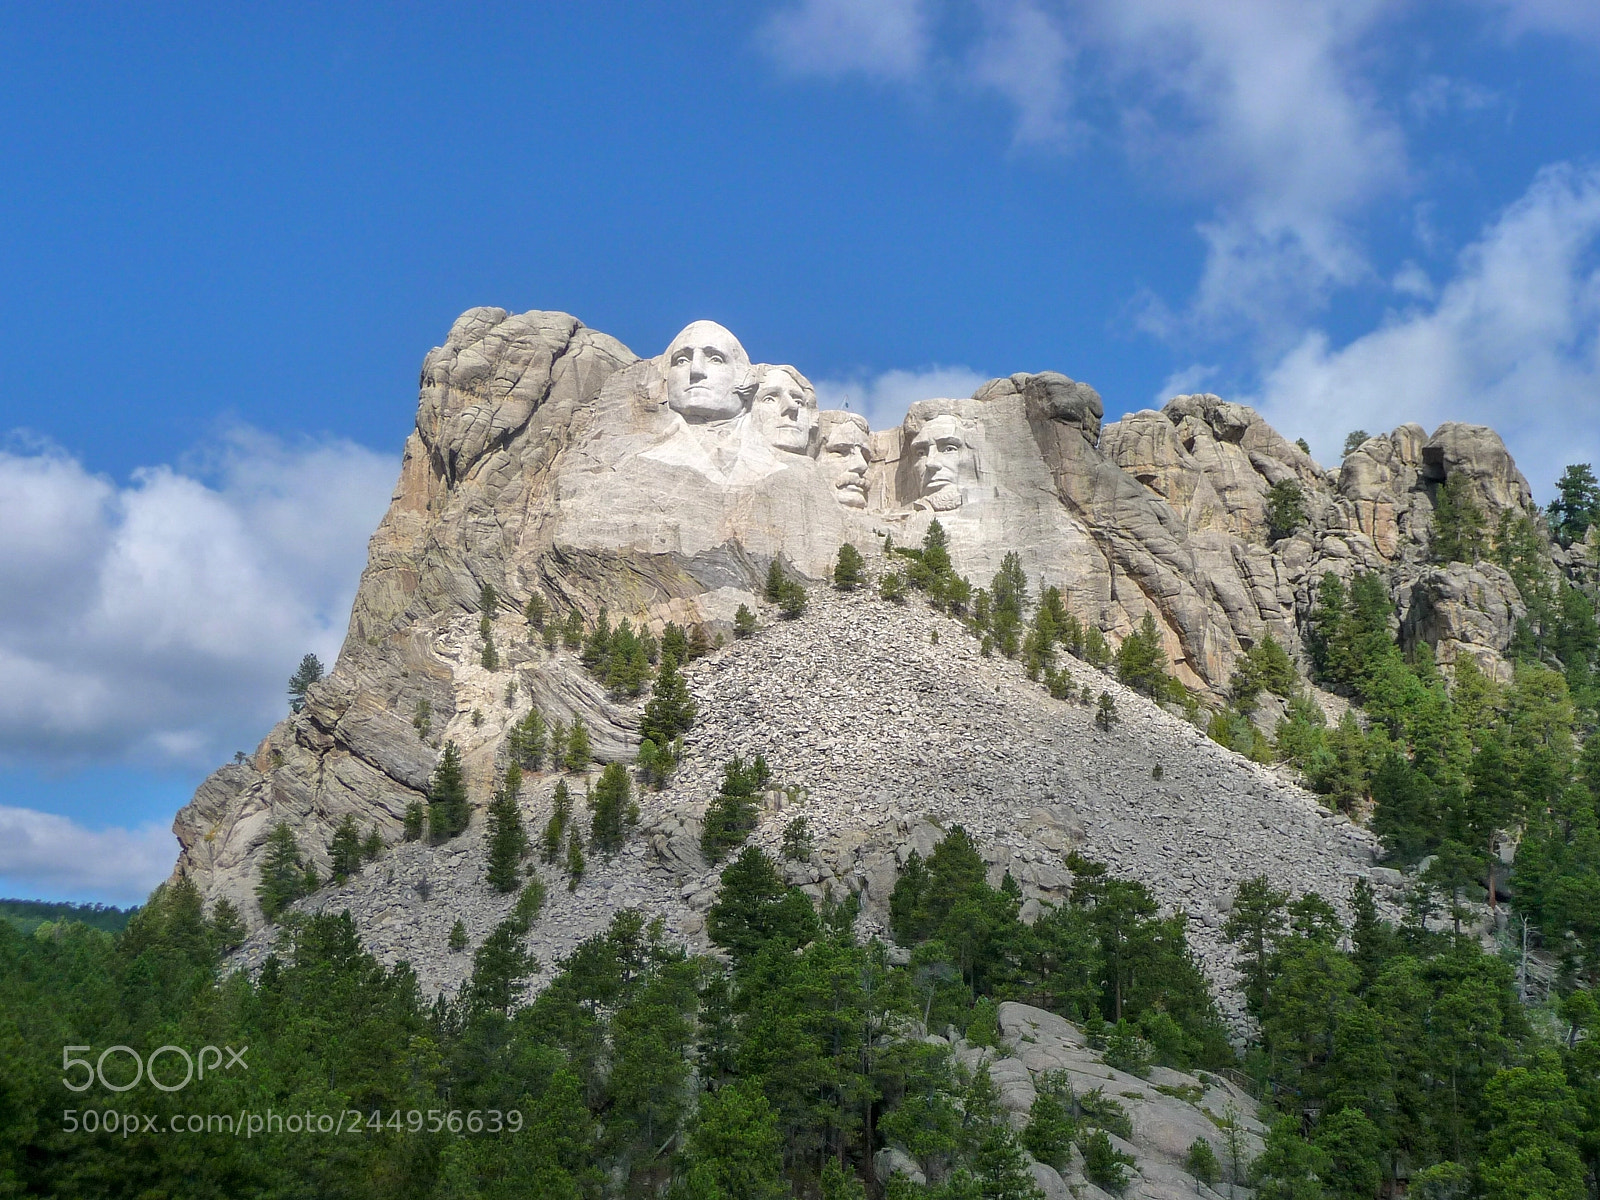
[
  {"x": 1459, "y": 525},
  {"x": 657, "y": 763},
  {"x": 847, "y": 569},
  {"x": 527, "y": 741},
  {"x": 508, "y": 840},
  {"x": 674, "y": 644},
  {"x": 732, "y": 815},
  {"x": 1096, "y": 650},
  {"x": 607, "y": 806},
  {"x": 792, "y": 600},
  {"x": 575, "y": 863},
  {"x": 1530, "y": 1150},
  {"x": 797, "y": 840},
  {"x": 308, "y": 672},
  {"x": 345, "y": 850},
  {"x": 1286, "y": 509},
  {"x": 572, "y": 632},
  {"x": 529, "y": 903},
  {"x": 670, "y": 711},
  {"x": 578, "y": 755},
  {"x": 1141, "y": 661},
  {"x": 416, "y": 817},
  {"x": 744, "y": 622},
  {"x": 448, "y": 808},
  {"x": 500, "y": 967},
  {"x": 1255, "y": 924},
  {"x": 227, "y": 926},
  {"x": 598, "y": 644},
  {"x": 536, "y": 611},
  {"x": 775, "y": 580},
  {"x": 735, "y": 1147},
  {"x": 282, "y": 878},
  {"x": 556, "y": 827},
  {"x": 1106, "y": 714},
  {"x": 458, "y": 937},
  {"x": 892, "y": 587},
  {"x": 1576, "y": 506},
  {"x": 1008, "y": 599},
  {"x": 755, "y": 907},
  {"x": 372, "y": 847}
]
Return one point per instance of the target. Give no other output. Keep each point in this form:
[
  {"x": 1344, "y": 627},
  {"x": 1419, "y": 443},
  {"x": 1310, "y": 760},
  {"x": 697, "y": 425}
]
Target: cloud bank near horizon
[{"x": 156, "y": 622}]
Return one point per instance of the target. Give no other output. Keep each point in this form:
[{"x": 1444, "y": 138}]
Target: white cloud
[
  {"x": 50, "y": 857},
  {"x": 1560, "y": 18},
  {"x": 1412, "y": 280},
  {"x": 887, "y": 39},
  {"x": 1261, "y": 110},
  {"x": 1025, "y": 56},
  {"x": 1513, "y": 341},
  {"x": 1185, "y": 382},
  {"x": 1437, "y": 95},
  {"x": 159, "y": 621},
  {"x": 884, "y": 398}
]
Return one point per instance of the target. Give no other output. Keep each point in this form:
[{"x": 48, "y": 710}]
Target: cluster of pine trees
[{"x": 1385, "y": 1054}]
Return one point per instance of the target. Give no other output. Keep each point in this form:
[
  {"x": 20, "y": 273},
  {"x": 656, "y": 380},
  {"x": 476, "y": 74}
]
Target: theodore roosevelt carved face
[
  {"x": 785, "y": 410},
  {"x": 943, "y": 459},
  {"x": 705, "y": 368},
  {"x": 844, "y": 457}
]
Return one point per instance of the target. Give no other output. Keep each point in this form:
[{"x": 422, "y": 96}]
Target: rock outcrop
[{"x": 550, "y": 460}]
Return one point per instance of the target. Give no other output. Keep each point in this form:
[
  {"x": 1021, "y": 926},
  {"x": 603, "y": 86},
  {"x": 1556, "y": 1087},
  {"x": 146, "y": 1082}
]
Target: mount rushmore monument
[{"x": 548, "y": 460}]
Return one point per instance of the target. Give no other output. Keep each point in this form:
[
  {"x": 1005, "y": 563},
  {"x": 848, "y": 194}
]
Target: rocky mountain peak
[{"x": 551, "y": 463}]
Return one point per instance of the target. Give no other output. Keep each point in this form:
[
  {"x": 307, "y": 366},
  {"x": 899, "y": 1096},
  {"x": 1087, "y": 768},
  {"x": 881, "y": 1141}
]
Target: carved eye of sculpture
[
  {"x": 680, "y": 358},
  {"x": 716, "y": 358}
]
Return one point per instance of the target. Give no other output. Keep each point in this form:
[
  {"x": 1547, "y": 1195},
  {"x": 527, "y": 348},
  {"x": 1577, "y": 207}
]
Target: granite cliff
[{"x": 548, "y": 460}]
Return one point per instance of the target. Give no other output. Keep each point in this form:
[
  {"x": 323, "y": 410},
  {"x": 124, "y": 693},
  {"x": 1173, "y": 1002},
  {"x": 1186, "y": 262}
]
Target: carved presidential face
[
  {"x": 944, "y": 459},
  {"x": 705, "y": 367},
  {"x": 785, "y": 410},
  {"x": 844, "y": 459}
]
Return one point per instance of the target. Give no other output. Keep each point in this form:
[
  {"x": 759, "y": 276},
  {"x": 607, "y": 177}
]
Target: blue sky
[{"x": 229, "y": 237}]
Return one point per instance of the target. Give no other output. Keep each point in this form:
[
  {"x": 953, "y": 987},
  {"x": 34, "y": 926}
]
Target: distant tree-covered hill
[{"x": 28, "y": 915}]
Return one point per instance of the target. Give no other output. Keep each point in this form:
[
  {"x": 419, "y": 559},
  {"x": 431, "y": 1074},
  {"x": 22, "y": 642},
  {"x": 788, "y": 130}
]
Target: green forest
[{"x": 1390, "y": 1055}]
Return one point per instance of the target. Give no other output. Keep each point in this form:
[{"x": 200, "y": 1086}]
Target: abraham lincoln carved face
[{"x": 944, "y": 459}]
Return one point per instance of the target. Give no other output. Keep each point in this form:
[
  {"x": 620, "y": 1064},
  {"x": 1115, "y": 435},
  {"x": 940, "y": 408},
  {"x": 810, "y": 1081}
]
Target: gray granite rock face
[{"x": 548, "y": 459}]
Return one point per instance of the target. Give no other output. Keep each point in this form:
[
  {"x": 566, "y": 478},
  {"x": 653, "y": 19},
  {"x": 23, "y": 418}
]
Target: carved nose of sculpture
[{"x": 697, "y": 368}]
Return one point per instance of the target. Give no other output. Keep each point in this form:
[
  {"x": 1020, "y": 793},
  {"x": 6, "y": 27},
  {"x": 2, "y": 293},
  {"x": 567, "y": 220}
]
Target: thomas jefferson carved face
[
  {"x": 944, "y": 459},
  {"x": 844, "y": 458},
  {"x": 705, "y": 367},
  {"x": 785, "y": 410}
]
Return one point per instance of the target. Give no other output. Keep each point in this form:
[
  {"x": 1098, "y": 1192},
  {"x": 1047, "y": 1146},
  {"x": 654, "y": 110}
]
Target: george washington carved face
[
  {"x": 785, "y": 410},
  {"x": 705, "y": 367}
]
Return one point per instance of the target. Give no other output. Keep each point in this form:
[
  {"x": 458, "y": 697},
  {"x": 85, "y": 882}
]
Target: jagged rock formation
[{"x": 549, "y": 459}]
